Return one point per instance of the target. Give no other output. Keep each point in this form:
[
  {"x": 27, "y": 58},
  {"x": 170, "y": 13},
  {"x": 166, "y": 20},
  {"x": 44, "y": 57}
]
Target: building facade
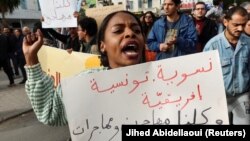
[
  {"x": 149, "y": 5},
  {"x": 135, "y": 5},
  {"x": 26, "y": 14}
]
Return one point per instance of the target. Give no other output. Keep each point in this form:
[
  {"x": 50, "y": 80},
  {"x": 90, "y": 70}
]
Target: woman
[
  {"x": 147, "y": 23},
  {"x": 247, "y": 26},
  {"x": 120, "y": 42},
  {"x": 246, "y": 5}
]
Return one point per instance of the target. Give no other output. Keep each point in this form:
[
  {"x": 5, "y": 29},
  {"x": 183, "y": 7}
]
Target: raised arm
[{"x": 44, "y": 97}]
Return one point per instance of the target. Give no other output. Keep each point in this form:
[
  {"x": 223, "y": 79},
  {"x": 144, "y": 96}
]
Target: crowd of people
[
  {"x": 123, "y": 39},
  {"x": 11, "y": 55}
]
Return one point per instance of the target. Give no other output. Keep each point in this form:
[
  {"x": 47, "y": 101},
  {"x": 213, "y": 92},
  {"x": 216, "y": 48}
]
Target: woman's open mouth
[{"x": 131, "y": 50}]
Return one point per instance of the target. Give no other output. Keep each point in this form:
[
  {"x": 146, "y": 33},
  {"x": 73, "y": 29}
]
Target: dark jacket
[
  {"x": 66, "y": 39},
  {"x": 19, "y": 46},
  {"x": 87, "y": 47},
  {"x": 4, "y": 45},
  {"x": 186, "y": 37},
  {"x": 210, "y": 29}
]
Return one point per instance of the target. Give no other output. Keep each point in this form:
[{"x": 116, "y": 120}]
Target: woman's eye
[
  {"x": 137, "y": 31},
  {"x": 117, "y": 30}
]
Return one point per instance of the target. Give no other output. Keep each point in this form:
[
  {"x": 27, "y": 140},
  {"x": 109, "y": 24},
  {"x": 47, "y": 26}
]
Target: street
[
  {"x": 26, "y": 128},
  {"x": 17, "y": 119}
]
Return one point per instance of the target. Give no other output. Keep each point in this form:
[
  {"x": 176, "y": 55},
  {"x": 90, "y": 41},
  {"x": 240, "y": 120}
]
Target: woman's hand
[
  {"x": 42, "y": 19},
  {"x": 31, "y": 45}
]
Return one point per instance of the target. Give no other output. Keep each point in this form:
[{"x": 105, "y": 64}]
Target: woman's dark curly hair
[{"x": 101, "y": 34}]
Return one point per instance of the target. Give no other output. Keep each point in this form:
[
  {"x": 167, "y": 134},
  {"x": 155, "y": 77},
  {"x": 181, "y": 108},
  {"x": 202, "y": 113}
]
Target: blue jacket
[
  {"x": 186, "y": 37},
  {"x": 235, "y": 63}
]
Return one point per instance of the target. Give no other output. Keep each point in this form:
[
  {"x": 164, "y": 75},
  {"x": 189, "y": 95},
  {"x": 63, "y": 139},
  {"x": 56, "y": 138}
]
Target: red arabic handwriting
[
  {"x": 202, "y": 70},
  {"x": 165, "y": 101},
  {"x": 112, "y": 88},
  {"x": 160, "y": 75},
  {"x": 160, "y": 103},
  {"x": 137, "y": 83}
]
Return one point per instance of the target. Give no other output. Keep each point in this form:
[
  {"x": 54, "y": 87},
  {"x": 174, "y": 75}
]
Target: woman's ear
[{"x": 102, "y": 47}]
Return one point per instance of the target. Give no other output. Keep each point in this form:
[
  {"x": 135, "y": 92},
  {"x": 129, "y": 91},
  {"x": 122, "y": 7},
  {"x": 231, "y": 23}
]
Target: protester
[
  {"x": 247, "y": 27},
  {"x": 147, "y": 23},
  {"x": 87, "y": 32},
  {"x": 19, "y": 52},
  {"x": 62, "y": 31},
  {"x": 234, "y": 52},
  {"x": 81, "y": 39},
  {"x": 173, "y": 34},
  {"x": 71, "y": 40},
  {"x": 215, "y": 13},
  {"x": 120, "y": 43},
  {"x": 246, "y": 5},
  {"x": 8, "y": 32},
  {"x": 4, "y": 59},
  {"x": 205, "y": 27},
  {"x": 48, "y": 39}
]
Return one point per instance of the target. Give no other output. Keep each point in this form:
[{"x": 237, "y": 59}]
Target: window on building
[
  {"x": 140, "y": 3},
  {"x": 23, "y": 4},
  {"x": 131, "y": 5},
  {"x": 39, "y": 7},
  {"x": 150, "y": 4}
]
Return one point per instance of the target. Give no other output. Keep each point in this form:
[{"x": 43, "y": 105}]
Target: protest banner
[
  {"x": 58, "y": 13},
  {"x": 176, "y": 91},
  {"x": 101, "y": 12},
  {"x": 60, "y": 64}
]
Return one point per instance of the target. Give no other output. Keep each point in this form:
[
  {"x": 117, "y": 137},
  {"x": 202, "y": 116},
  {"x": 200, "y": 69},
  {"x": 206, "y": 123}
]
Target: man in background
[
  {"x": 206, "y": 28},
  {"x": 173, "y": 34},
  {"x": 234, "y": 52}
]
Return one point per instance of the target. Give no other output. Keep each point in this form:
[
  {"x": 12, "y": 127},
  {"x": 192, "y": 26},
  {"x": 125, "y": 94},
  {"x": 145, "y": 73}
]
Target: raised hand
[
  {"x": 76, "y": 15},
  {"x": 31, "y": 45}
]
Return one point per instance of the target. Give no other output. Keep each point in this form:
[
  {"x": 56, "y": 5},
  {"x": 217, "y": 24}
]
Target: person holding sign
[
  {"x": 71, "y": 40},
  {"x": 87, "y": 32},
  {"x": 120, "y": 43},
  {"x": 234, "y": 51},
  {"x": 173, "y": 34}
]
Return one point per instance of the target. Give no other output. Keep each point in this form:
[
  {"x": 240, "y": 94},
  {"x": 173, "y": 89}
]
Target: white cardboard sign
[
  {"x": 180, "y": 90},
  {"x": 58, "y": 13}
]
